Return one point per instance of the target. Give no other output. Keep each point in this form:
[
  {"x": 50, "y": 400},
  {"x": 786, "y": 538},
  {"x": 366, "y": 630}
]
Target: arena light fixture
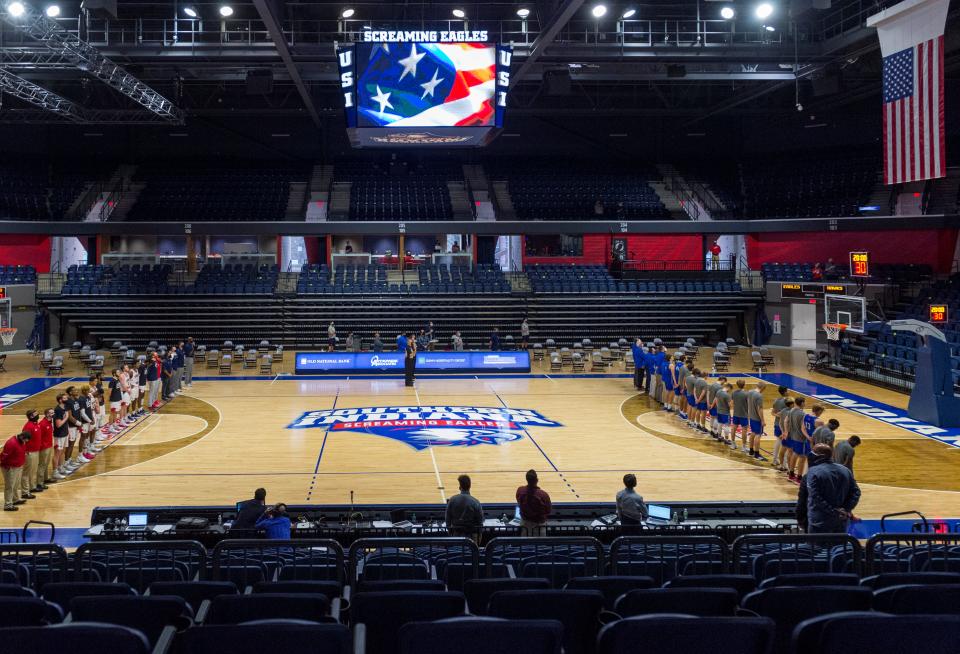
[
  {"x": 16, "y": 9},
  {"x": 764, "y": 10},
  {"x": 348, "y": 12},
  {"x": 629, "y": 13},
  {"x": 226, "y": 11},
  {"x": 727, "y": 13},
  {"x": 523, "y": 12},
  {"x": 599, "y": 11},
  {"x": 770, "y": 28},
  {"x": 459, "y": 13},
  {"x": 52, "y": 11},
  {"x": 191, "y": 12}
]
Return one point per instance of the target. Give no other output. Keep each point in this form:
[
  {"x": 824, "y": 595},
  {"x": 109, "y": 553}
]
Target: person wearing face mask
[
  {"x": 28, "y": 477},
  {"x": 44, "y": 474}
]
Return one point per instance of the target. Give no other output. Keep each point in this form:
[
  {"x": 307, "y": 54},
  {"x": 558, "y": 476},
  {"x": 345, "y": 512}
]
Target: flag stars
[
  {"x": 383, "y": 99},
  {"x": 410, "y": 63},
  {"x": 429, "y": 87}
]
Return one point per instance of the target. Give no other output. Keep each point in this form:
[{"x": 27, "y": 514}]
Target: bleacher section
[
  {"x": 10, "y": 275},
  {"x": 542, "y": 189},
  {"x": 213, "y": 192},
  {"x": 35, "y": 191},
  {"x": 397, "y": 190},
  {"x": 123, "y": 280},
  {"x": 788, "y": 187},
  {"x": 596, "y": 279},
  {"x": 359, "y": 299},
  {"x": 899, "y": 273}
]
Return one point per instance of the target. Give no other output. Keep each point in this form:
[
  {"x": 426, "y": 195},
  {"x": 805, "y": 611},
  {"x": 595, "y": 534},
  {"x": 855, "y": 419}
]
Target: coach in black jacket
[{"x": 250, "y": 511}]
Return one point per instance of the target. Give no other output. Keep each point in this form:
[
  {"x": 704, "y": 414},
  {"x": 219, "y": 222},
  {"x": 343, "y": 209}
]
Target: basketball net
[
  {"x": 7, "y": 334},
  {"x": 833, "y": 329}
]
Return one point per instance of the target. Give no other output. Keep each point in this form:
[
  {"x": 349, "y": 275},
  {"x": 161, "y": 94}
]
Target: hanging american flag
[
  {"x": 426, "y": 84},
  {"x": 911, "y": 41}
]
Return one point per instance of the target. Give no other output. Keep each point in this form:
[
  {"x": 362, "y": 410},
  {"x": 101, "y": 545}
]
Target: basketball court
[{"x": 229, "y": 435}]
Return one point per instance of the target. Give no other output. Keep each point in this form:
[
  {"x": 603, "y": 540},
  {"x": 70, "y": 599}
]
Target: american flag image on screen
[
  {"x": 426, "y": 84},
  {"x": 913, "y": 135}
]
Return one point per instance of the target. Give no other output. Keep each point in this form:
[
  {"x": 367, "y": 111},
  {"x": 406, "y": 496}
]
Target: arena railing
[
  {"x": 140, "y": 563},
  {"x": 34, "y": 564},
  {"x": 555, "y": 558},
  {"x": 769, "y": 555},
  {"x": 920, "y": 552},
  {"x": 664, "y": 557},
  {"x": 726, "y": 264},
  {"x": 246, "y": 562},
  {"x": 384, "y": 559}
]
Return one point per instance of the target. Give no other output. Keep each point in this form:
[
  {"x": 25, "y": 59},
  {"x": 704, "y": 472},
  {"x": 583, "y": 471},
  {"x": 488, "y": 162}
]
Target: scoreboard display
[
  {"x": 939, "y": 313},
  {"x": 859, "y": 264},
  {"x": 399, "y": 89}
]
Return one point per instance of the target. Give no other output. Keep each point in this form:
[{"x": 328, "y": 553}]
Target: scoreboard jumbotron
[{"x": 424, "y": 88}]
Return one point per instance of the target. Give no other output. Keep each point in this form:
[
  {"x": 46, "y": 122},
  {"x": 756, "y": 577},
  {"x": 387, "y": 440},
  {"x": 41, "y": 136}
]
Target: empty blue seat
[
  {"x": 148, "y": 615},
  {"x": 743, "y": 584},
  {"x": 479, "y": 591},
  {"x": 236, "y": 609},
  {"x": 611, "y": 587},
  {"x": 812, "y": 579},
  {"x": 28, "y": 612},
  {"x": 578, "y": 610},
  {"x": 62, "y": 592},
  {"x": 692, "y": 601},
  {"x": 687, "y": 634},
  {"x": 878, "y": 633},
  {"x": 260, "y": 636},
  {"x": 383, "y": 614},
  {"x": 909, "y": 578},
  {"x": 930, "y": 599},
  {"x": 75, "y": 638},
  {"x": 193, "y": 592},
  {"x": 481, "y": 635}
]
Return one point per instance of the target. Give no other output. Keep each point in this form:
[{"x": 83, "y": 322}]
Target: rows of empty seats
[
  {"x": 441, "y": 278},
  {"x": 120, "y": 280},
  {"x": 234, "y": 279},
  {"x": 760, "y": 594},
  {"x": 17, "y": 274},
  {"x": 544, "y": 189},
  {"x": 788, "y": 187},
  {"x": 40, "y": 191},
  {"x": 397, "y": 189},
  {"x": 213, "y": 192}
]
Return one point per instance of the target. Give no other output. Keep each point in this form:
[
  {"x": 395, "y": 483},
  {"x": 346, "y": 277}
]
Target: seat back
[
  {"x": 478, "y": 591},
  {"x": 259, "y": 636},
  {"x": 235, "y": 609},
  {"x": 76, "y": 638},
  {"x": 718, "y": 602},
  {"x": 611, "y": 587},
  {"x": 384, "y": 613},
  {"x": 62, "y": 592},
  {"x": 687, "y": 634},
  {"x": 27, "y": 612},
  {"x": 193, "y": 592},
  {"x": 935, "y": 599},
  {"x": 475, "y": 635},
  {"x": 877, "y": 633},
  {"x": 743, "y": 584},
  {"x": 148, "y": 615},
  {"x": 578, "y": 610}
]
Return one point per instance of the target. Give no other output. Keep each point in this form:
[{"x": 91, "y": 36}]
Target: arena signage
[
  {"x": 895, "y": 417},
  {"x": 422, "y": 427},
  {"x": 427, "y": 362},
  {"x": 425, "y": 36}
]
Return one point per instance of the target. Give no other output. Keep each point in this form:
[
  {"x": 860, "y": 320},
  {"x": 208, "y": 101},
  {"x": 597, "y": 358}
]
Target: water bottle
[
  {"x": 684, "y": 515},
  {"x": 413, "y": 518}
]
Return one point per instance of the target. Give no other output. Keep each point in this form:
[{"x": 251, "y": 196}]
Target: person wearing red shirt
[
  {"x": 715, "y": 252},
  {"x": 534, "y": 505},
  {"x": 12, "y": 458},
  {"x": 28, "y": 479},
  {"x": 46, "y": 451}
]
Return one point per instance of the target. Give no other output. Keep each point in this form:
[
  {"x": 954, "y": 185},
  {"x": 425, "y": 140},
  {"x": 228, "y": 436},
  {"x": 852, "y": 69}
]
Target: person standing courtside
[
  {"x": 755, "y": 419},
  {"x": 534, "y": 503},
  {"x": 639, "y": 364},
  {"x": 778, "y": 406},
  {"x": 188, "y": 350},
  {"x": 464, "y": 515},
  {"x": 843, "y": 454},
  {"x": 410, "y": 361},
  {"x": 44, "y": 475},
  {"x": 28, "y": 479},
  {"x": 831, "y": 493},
  {"x": 12, "y": 458},
  {"x": 524, "y": 334},
  {"x": 250, "y": 511},
  {"x": 739, "y": 397},
  {"x": 331, "y": 337}
]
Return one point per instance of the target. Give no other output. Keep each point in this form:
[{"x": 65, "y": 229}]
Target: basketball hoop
[
  {"x": 834, "y": 329},
  {"x": 7, "y": 334}
]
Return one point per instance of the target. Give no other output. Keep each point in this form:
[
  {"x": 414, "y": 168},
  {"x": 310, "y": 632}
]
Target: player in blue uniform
[{"x": 666, "y": 370}]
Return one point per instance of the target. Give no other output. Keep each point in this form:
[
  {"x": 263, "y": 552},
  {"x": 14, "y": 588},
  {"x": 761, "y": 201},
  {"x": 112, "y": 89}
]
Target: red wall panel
[
  {"x": 925, "y": 246},
  {"x": 665, "y": 247},
  {"x": 26, "y": 250}
]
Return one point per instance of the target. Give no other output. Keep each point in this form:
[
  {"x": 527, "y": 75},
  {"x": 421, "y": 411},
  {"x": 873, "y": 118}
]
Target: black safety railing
[
  {"x": 664, "y": 557},
  {"x": 387, "y": 559},
  {"x": 247, "y": 562},
  {"x": 918, "y": 552},
  {"x": 556, "y": 559},
  {"x": 725, "y": 264},
  {"x": 33, "y": 565},
  {"x": 769, "y": 555},
  {"x": 140, "y": 563}
]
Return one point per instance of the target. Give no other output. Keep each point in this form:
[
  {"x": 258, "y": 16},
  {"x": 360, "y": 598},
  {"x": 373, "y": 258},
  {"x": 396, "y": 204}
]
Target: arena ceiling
[{"x": 680, "y": 59}]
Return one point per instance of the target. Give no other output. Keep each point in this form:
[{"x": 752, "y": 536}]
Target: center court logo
[{"x": 422, "y": 427}]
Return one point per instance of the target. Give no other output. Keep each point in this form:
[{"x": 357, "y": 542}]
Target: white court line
[{"x": 433, "y": 457}]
